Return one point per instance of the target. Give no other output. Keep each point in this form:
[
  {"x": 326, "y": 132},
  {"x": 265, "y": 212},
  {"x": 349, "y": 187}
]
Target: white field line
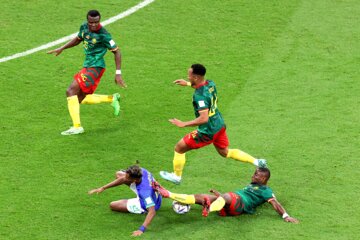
[{"x": 71, "y": 36}]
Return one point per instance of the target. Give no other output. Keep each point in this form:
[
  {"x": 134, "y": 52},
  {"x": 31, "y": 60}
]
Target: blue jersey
[{"x": 148, "y": 197}]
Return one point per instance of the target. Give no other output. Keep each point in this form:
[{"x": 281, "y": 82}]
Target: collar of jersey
[{"x": 202, "y": 84}]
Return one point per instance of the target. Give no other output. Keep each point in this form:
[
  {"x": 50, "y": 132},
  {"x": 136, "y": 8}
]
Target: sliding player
[{"x": 235, "y": 203}]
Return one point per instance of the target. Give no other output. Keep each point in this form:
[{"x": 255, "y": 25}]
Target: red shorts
[
  {"x": 89, "y": 78},
  {"x": 236, "y": 206},
  {"x": 196, "y": 140}
]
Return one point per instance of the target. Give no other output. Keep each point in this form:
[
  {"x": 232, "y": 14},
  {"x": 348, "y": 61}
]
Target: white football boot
[
  {"x": 73, "y": 131},
  {"x": 170, "y": 177}
]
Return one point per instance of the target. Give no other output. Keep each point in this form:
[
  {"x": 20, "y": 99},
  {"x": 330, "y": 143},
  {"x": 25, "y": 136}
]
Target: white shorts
[{"x": 133, "y": 205}]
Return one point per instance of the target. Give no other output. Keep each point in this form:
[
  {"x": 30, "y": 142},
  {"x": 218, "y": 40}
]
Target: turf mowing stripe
[{"x": 71, "y": 36}]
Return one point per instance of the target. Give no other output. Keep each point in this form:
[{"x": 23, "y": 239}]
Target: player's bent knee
[
  {"x": 113, "y": 206},
  {"x": 119, "y": 206}
]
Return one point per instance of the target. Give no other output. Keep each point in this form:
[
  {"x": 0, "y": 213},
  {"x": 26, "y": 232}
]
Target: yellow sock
[
  {"x": 240, "y": 156},
  {"x": 96, "y": 98},
  {"x": 183, "y": 198},
  {"x": 74, "y": 110},
  {"x": 217, "y": 205},
  {"x": 178, "y": 163}
]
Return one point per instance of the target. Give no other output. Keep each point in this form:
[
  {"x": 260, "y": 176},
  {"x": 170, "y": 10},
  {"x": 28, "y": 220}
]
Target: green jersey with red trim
[
  {"x": 95, "y": 45},
  {"x": 253, "y": 195},
  {"x": 205, "y": 97}
]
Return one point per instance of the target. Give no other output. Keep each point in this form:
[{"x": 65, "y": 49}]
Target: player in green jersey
[
  {"x": 96, "y": 41},
  {"x": 234, "y": 203},
  {"x": 211, "y": 126}
]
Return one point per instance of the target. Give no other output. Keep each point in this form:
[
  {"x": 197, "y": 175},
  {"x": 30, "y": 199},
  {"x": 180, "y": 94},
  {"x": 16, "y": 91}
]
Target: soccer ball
[{"x": 180, "y": 208}]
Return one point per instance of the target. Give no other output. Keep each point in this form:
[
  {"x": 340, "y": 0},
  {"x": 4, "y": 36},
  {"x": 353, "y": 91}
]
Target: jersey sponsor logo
[
  {"x": 112, "y": 43},
  {"x": 201, "y": 103}
]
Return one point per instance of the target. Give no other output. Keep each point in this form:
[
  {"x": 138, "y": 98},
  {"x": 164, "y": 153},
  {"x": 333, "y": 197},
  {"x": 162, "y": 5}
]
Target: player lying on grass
[
  {"x": 233, "y": 203},
  {"x": 147, "y": 201}
]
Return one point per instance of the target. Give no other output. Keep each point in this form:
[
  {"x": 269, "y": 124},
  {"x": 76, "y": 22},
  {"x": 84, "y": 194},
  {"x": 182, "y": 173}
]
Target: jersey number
[{"x": 213, "y": 106}]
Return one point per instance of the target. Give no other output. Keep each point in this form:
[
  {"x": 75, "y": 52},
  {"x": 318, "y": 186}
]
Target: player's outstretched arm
[
  {"x": 114, "y": 183},
  {"x": 182, "y": 82},
  {"x": 96, "y": 190},
  {"x": 149, "y": 217},
  {"x": 75, "y": 41},
  {"x": 282, "y": 212}
]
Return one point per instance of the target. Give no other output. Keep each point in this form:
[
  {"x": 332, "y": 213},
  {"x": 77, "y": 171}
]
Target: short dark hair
[
  {"x": 93, "y": 13},
  {"x": 198, "y": 69},
  {"x": 266, "y": 171},
  {"x": 134, "y": 171}
]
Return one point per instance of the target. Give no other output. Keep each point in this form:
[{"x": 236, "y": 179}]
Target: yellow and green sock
[
  {"x": 74, "y": 110},
  {"x": 179, "y": 163},
  {"x": 183, "y": 198},
  {"x": 96, "y": 98},
  {"x": 241, "y": 156}
]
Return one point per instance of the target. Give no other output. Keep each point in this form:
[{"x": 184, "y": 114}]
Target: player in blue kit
[{"x": 147, "y": 201}]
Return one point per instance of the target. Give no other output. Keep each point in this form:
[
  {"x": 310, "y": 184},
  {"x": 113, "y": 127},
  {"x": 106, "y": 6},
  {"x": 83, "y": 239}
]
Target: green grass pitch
[{"x": 287, "y": 74}]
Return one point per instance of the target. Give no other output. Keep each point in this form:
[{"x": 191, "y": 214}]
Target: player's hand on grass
[
  {"x": 181, "y": 82},
  {"x": 177, "y": 122},
  {"x": 291, "y": 219},
  {"x": 96, "y": 190},
  {"x": 136, "y": 233},
  {"x": 57, "y": 51},
  {"x": 119, "y": 81}
]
